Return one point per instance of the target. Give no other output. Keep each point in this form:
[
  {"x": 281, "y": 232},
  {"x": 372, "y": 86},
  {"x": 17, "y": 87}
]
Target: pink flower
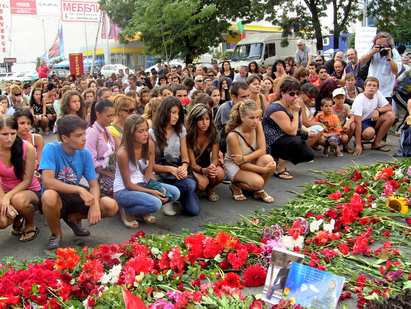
[{"x": 129, "y": 275}]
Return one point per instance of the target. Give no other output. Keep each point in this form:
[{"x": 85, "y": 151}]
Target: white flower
[
  {"x": 374, "y": 205},
  {"x": 330, "y": 226},
  {"x": 85, "y": 303},
  {"x": 116, "y": 270},
  {"x": 399, "y": 173},
  {"x": 114, "y": 279},
  {"x": 140, "y": 277},
  {"x": 105, "y": 279},
  {"x": 315, "y": 225},
  {"x": 290, "y": 243}
]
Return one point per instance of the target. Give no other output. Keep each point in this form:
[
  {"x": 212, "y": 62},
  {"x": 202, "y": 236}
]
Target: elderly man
[
  {"x": 330, "y": 63},
  {"x": 406, "y": 62},
  {"x": 303, "y": 55},
  {"x": 352, "y": 67},
  {"x": 385, "y": 64}
]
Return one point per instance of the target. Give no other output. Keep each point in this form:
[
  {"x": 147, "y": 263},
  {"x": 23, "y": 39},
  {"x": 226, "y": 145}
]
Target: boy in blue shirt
[{"x": 62, "y": 165}]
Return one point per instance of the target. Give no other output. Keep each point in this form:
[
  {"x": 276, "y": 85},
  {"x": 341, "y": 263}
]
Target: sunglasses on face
[
  {"x": 319, "y": 60},
  {"x": 17, "y": 94},
  {"x": 200, "y": 81},
  {"x": 130, "y": 110},
  {"x": 293, "y": 93},
  {"x": 211, "y": 75}
]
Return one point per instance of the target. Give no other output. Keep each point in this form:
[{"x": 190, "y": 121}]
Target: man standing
[
  {"x": 82, "y": 85},
  {"x": 385, "y": 64},
  {"x": 373, "y": 116},
  {"x": 43, "y": 70},
  {"x": 303, "y": 55},
  {"x": 215, "y": 65},
  {"x": 242, "y": 74},
  {"x": 189, "y": 83},
  {"x": 103, "y": 93},
  {"x": 406, "y": 62},
  {"x": 132, "y": 84},
  {"x": 180, "y": 92},
  {"x": 352, "y": 67},
  {"x": 141, "y": 80},
  {"x": 330, "y": 63}
]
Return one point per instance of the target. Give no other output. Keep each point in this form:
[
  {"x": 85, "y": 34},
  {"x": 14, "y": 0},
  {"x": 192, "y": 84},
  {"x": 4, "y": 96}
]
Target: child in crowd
[
  {"x": 101, "y": 144},
  {"x": 246, "y": 163},
  {"x": 343, "y": 111},
  {"x": 203, "y": 142},
  {"x": 172, "y": 160},
  {"x": 135, "y": 187},
  {"x": 62, "y": 166},
  {"x": 351, "y": 90},
  {"x": 19, "y": 190},
  {"x": 332, "y": 128}
]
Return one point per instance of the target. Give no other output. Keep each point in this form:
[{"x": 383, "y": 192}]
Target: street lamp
[
  {"x": 85, "y": 29},
  {"x": 44, "y": 37}
]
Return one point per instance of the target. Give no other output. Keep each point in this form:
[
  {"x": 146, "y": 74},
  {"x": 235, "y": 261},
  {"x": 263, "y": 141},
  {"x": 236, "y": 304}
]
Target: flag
[
  {"x": 132, "y": 301},
  {"x": 241, "y": 29},
  {"x": 104, "y": 27}
]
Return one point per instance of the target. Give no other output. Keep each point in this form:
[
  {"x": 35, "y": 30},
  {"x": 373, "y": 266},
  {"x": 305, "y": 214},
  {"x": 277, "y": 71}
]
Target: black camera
[{"x": 383, "y": 50}]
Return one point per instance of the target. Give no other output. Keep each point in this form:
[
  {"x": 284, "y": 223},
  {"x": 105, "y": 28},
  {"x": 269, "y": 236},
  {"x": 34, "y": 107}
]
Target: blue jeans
[
  {"x": 188, "y": 198},
  {"x": 136, "y": 203}
]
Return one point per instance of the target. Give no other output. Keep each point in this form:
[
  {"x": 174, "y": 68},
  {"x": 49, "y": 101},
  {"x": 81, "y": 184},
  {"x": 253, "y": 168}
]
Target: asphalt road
[{"x": 112, "y": 230}]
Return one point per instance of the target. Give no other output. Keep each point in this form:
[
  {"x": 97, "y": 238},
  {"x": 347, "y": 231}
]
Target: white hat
[{"x": 338, "y": 91}]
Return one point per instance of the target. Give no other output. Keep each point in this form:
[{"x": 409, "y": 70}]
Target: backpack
[{"x": 404, "y": 143}]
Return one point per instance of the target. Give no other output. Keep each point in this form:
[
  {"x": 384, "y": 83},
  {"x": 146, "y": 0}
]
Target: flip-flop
[
  {"x": 324, "y": 154},
  {"x": 283, "y": 173},
  {"x": 17, "y": 228},
  {"x": 36, "y": 231},
  {"x": 381, "y": 148},
  {"x": 339, "y": 154}
]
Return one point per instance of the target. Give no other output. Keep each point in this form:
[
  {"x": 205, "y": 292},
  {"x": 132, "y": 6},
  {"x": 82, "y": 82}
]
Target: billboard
[
  {"x": 5, "y": 23},
  {"x": 48, "y": 7},
  {"x": 80, "y": 11},
  {"x": 23, "y": 7},
  {"x": 76, "y": 64}
]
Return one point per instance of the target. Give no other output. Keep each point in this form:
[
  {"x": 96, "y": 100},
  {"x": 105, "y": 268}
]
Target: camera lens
[{"x": 383, "y": 52}]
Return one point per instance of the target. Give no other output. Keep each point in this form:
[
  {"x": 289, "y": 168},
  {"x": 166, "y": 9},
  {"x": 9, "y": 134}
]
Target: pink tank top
[{"x": 8, "y": 178}]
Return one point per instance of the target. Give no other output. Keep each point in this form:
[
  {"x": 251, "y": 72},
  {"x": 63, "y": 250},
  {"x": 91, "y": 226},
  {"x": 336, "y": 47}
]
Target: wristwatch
[{"x": 389, "y": 59}]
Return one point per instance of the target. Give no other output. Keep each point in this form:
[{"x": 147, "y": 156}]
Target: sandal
[
  {"x": 324, "y": 154},
  {"x": 283, "y": 175},
  {"x": 339, "y": 154},
  {"x": 150, "y": 219},
  {"x": 348, "y": 150},
  {"x": 18, "y": 228},
  {"x": 213, "y": 197},
  {"x": 46, "y": 132},
  {"x": 35, "y": 231},
  {"x": 238, "y": 197},
  {"x": 267, "y": 198},
  {"x": 127, "y": 224}
]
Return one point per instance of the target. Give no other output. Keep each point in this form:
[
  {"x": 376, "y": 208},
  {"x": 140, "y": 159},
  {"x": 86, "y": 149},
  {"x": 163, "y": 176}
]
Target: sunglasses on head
[
  {"x": 293, "y": 93},
  {"x": 130, "y": 110}
]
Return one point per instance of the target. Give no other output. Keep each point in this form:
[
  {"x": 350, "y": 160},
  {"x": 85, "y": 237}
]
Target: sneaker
[
  {"x": 78, "y": 228},
  {"x": 168, "y": 209},
  {"x": 54, "y": 242},
  {"x": 226, "y": 181}
]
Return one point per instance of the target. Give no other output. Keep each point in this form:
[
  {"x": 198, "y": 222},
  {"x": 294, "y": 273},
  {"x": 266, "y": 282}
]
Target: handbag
[{"x": 169, "y": 160}]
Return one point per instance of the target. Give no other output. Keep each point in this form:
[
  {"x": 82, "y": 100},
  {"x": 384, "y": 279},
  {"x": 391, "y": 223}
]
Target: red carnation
[
  {"x": 409, "y": 221},
  {"x": 257, "y": 304},
  {"x": 254, "y": 276},
  {"x": 386, "y": 234}
]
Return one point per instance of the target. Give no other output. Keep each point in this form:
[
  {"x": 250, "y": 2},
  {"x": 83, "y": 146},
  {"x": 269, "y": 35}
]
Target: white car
[
  {"x": 113, "y": 68},
  {"x": 20, "y": 76},
  {"x": 172, "y": 63}
]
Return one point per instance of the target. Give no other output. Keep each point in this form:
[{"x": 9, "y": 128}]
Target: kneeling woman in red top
[{"x": 20, "y": 190}]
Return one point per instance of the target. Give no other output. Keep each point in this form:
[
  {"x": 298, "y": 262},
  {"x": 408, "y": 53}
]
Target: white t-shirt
[{"x": 364, "y": 107}]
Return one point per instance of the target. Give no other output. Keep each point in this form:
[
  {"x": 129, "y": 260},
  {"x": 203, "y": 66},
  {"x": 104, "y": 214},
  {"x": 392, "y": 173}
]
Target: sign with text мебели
[
  {"x": 5, "y": 24},
  {"x": 75, "y": 11}
]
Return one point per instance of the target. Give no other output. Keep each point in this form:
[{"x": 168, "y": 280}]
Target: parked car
[
  {"x": 61, "y": 73},
  {"x": 113, "y": 68},
  {"x": 5, "y": 77},
  {"x": 20, "y": 76},
  {"x": 31, "y": 77}
]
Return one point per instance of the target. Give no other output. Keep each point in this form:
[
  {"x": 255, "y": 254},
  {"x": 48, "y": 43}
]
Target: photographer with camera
[{"x": 385, "y": 64}]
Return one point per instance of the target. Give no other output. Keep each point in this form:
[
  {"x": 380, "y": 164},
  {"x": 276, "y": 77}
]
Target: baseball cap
[{"x": 338, "y": 91}]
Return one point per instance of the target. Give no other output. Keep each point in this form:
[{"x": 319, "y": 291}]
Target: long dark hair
[
  {"x": 256, "y": 67},
  {"x": 127, "y": 141},
  {"x": 16, "y": 158},
  {"x": 99, "y": 106},
  {"x": 195, "y": 114},
  {"x": 32, "y": 101},
  {"x": 163, "y": 118}
]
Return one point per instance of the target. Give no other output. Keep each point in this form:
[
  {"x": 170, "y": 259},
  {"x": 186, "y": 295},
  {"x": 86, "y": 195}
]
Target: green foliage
[
  {"x": 228, "y": 54},
  {"x": 402, "y": 34},
  {"x": 387, "y": 14},
  {"x": 351, "y": 41},
  {"x": 217, "y": 54},
  {"x": 181, "y": 28}
]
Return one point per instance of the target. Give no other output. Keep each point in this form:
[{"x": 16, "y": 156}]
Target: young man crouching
[
  {"x": 62, "y": 166},
  {"x": 373, "y": 116}
]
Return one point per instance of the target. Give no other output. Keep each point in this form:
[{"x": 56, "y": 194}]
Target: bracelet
[
  {"x": 184, "y": 162},
  {"x": 243, "y": 161},
  {"x": 202, "y": 171}
]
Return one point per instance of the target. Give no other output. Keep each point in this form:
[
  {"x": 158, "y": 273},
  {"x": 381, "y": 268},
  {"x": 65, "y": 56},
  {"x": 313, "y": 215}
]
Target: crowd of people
[{"x": 138, "y": 143}]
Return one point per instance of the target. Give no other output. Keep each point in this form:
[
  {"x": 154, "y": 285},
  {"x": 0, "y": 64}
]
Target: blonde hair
[
  {"x": 151, "y": 109},
  {"x": 240, "y": 109},
  {"x": 120, "y": 101}
]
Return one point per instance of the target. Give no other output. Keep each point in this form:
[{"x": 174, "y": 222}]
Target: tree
[
  {"x": 306, "y": 19},
  {"x": 183, "y": 27},
  {"x": 402, "y": 34},
  {"x": 388, "y": 14}
]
